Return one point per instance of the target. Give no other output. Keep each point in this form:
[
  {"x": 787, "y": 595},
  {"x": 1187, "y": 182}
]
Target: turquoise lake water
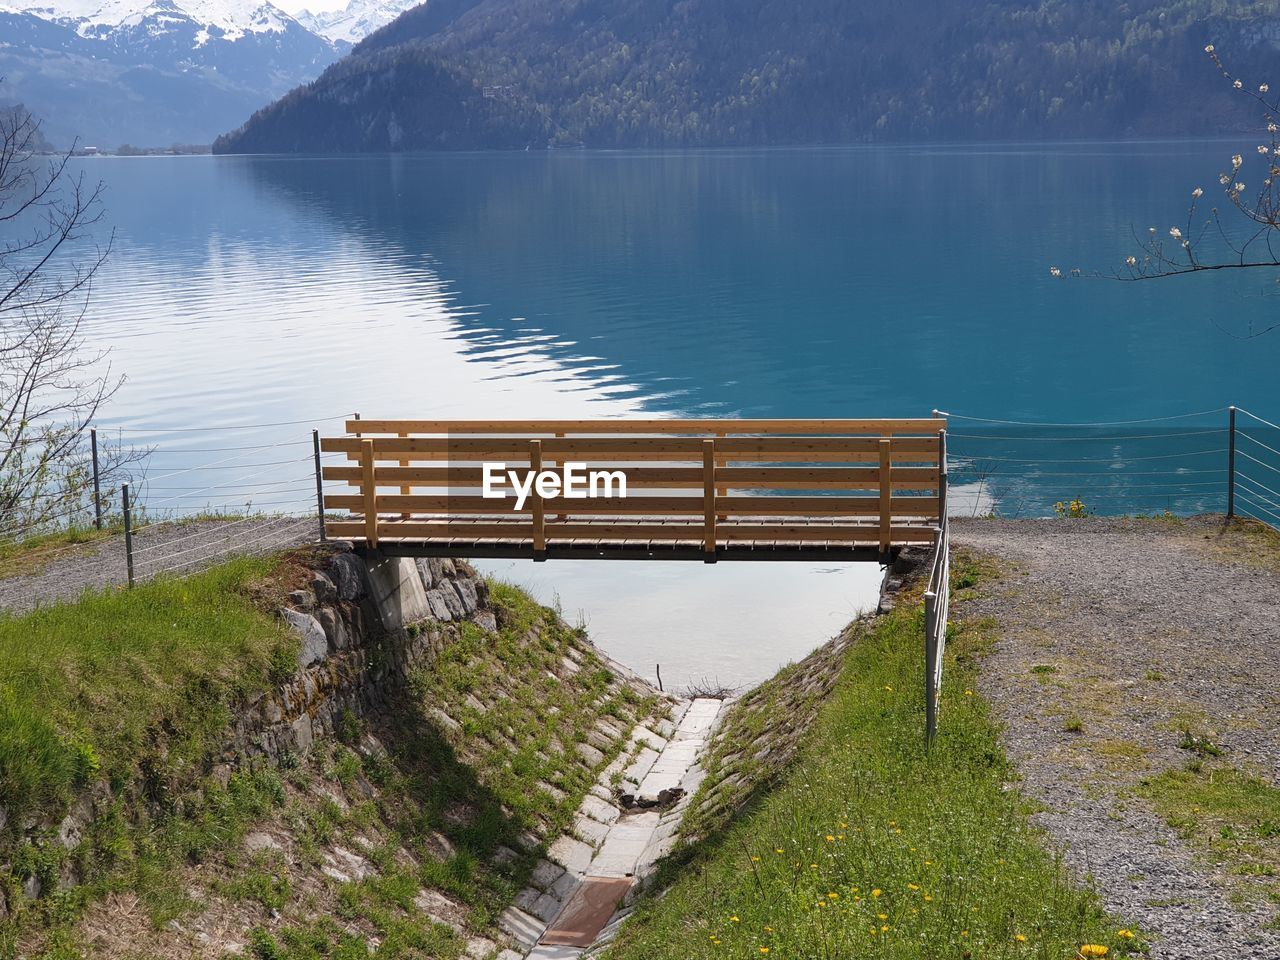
[{"x": 818, "y": 283}]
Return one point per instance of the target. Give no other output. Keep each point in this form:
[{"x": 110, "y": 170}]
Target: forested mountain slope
[{"x": 607, "y": 73}]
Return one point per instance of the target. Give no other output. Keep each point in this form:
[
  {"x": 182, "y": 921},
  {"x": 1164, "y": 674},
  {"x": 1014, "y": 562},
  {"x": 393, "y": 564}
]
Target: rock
[
  {"x": 573, "y": 855},
  {"x": 300, "y": 598},
  {"x": 323, "y": 588},
  {"x": 303, "y": 735},
  {"x": 31, "y": 887},
  {"x": 4, "y": 816},
  {"x": 545, "y": 874},
  {"x": 424, "y": 571},
  {"x": 504, "y": 856},
  {"x": 350, "y": 863},
  {"x": 348, "y": 574},
  {"x": 441, "y": 909},
  {"x": 333, "y": 873},
  {"x": 444, "y": 719},
  {"x": 453, "y": 601},
  {"x": 439, "y": 607},
  {"x": 589, "y": 754},
  {"x": 315, "y": 645},
  {"x": 467, "y": 594},
  {"x": 486, "y": 621},
  {"x": 334, "y": 629},
  {"x": 480, "y": 948},
  {"x": 69, "y": 832},
  {"x": 259, "y": 841}
]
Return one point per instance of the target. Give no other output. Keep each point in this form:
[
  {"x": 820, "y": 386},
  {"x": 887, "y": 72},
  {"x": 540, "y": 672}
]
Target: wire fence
[
  {"x": 1177, "y": 465},
  {"x": 203, "y": 494},
  {"x": 200, "y": 495}
]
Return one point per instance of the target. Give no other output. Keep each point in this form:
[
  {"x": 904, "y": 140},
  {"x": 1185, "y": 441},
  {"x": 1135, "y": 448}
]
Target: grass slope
[
  {"x": 872, "y": 846},
  {"x": 84, "y": 686}
]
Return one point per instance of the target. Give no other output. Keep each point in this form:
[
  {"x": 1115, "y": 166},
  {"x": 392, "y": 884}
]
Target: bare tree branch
[{"x": 52, "y": 386}]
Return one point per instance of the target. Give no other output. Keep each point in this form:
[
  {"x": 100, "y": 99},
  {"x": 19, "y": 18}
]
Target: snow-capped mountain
[
  {"x": 154, "y": 72},
  {"x": 356, "y": 21}
]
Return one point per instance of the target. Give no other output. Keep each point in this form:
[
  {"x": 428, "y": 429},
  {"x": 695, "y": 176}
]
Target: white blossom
[
  {"x": 1175, "y": 233},
  {"x": 1264, "y": 88},
  {"x": 1055, "y": 272},
  {"x": 1239, "y": 85},
  {"x": 1239, "y": 188},
  {"x": 1131, "y": 261},
  {"x": 1236, "y": 162},
  {"x": 1223, "y": 179},
  {"x": 1197, "y": 193},
  {"x": 1209, "y": 48},
  {"x": 1264, "y": 150}
]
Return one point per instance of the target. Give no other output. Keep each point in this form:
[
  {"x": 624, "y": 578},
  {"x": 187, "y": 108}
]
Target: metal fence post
[
  {"x": 930, "y": 665},
  {"x": 128, "y": 531},
  {"x": 315, "y": 443},
  {"x": 97, "y": 481},
  {"x": 1231, "y": 463}
]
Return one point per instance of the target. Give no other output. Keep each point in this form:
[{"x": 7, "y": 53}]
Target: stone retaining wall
[{"x": 364, "y": 626}]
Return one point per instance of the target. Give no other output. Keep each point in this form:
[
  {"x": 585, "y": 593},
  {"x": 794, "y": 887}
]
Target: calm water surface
[{"x": 815, "y": 283}]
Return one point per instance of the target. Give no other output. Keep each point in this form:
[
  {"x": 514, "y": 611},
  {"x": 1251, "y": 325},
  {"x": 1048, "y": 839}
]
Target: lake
[{"x": 858, "y": 282}]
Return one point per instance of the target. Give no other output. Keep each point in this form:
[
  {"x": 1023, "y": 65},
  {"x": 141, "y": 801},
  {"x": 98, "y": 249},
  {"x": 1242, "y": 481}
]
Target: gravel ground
[
  {"x": 179, "y": 548},
  {"x": 1151, "y": 626}
]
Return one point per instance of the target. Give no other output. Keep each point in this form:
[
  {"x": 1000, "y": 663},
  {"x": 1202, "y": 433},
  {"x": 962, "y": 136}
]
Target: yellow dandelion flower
[
  {"x": 882, "y": 916},
  {"x": 768, "y": 929},
  {"x": 928, "y": 898},
  {"x": 889, "y": 688},
  {"x": 830, "y": 838},
  {"x": 1125, "y": 934},
  {"x": 913, "y": 886},
  {"x": 884, "y": 927},
  {"x": 875, "y": 892},
  {"x": 777, "y": 849},
  {"x": 755, "y": 859},
  {"x": 734, "y": 919},
  {"x": 833, "y": 896},
  {"x": 1093, "y": 950},
  {"x": 964, "y": 933},
  {"x": 1020, "y": 937}
]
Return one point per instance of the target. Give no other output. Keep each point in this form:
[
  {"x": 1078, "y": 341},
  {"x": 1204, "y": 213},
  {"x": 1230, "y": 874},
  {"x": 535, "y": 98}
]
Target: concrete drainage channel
[{"x": 582, "y": 892}]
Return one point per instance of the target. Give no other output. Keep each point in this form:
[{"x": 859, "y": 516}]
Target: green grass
[
  {"x": 871, "y": 846},
  {"x": 1232, "y": 816},
  {"x": 86, "y": 686}
]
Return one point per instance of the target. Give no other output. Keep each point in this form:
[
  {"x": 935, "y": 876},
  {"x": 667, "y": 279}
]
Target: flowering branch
[{"x": 1178, "y": 251}]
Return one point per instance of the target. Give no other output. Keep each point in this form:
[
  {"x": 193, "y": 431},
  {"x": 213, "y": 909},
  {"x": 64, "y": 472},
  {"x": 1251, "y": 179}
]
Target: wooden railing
[{"x": 711, "y": 489}]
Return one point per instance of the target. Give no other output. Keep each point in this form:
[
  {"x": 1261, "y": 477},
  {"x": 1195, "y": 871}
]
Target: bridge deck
[{"x": 705, "y": 490}]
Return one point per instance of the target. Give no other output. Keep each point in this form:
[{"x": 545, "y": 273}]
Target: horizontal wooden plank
[
  {"x": 833, "y": 427},
  {"x": 638, "y": 477},
  {"x": 692, "y": 505},
  {"x": 594, "y": 449},
  {"x": 426, "y": 531}
]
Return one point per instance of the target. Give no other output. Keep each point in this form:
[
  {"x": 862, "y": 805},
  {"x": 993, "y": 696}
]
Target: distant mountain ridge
[
  {"x": 155, "y": 72},
  {"x": 465, "y": 74}
]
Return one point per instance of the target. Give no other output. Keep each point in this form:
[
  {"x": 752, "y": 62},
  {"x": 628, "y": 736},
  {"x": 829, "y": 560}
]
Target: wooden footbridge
[{"x": 705, "y": 490}]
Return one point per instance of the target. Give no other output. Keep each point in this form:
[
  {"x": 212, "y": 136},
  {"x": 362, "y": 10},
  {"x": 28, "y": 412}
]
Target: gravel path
[
  {"x": 178, "y": 548},
  {"x": 1140, "y": 629}
]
